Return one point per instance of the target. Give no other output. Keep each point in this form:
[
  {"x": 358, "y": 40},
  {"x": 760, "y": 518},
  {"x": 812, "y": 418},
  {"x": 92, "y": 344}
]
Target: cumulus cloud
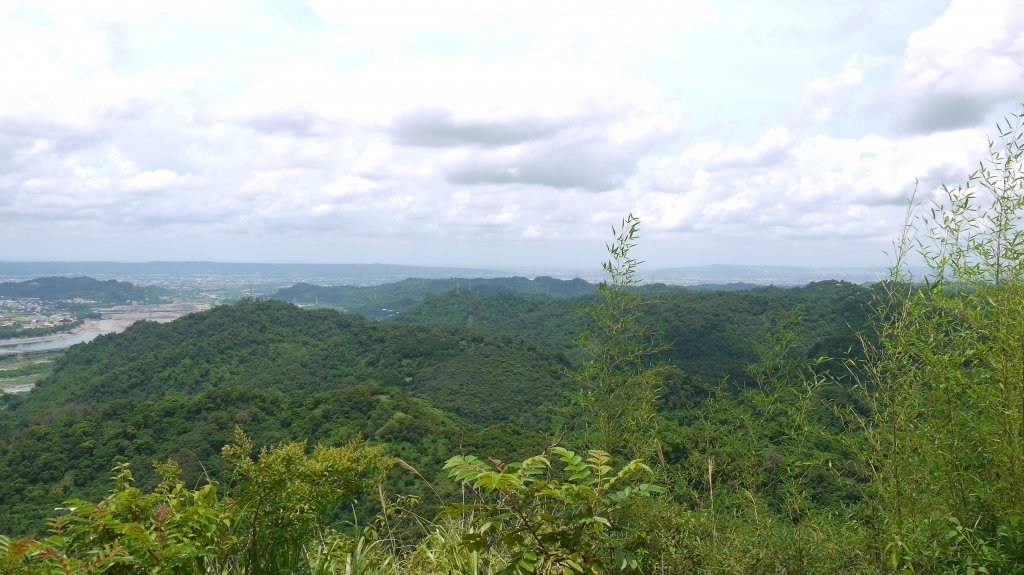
[
  {"x": 435, "y": 126},
  {"x": 575, "y": 163},
  {"x": 153, "y": 180},
  {"x": 454, "y": 126},
  {"x": 962, "y": 67},
  {"x": 822, "y": 187},
  {"x": 827, "y": 96},
  {"x": 294, "y": 121},
  {"x": 771, "y": 148},
  {"x": 550, "y": 123}
]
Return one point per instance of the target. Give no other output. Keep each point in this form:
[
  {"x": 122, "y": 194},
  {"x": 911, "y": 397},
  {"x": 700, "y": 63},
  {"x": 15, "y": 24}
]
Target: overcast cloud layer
[{"x": 457, "y": 133}]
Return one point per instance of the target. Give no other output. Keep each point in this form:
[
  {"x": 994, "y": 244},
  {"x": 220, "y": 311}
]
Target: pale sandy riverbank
[
  {"x": 117, "y": 319},
  {"x": 113, "y": 320}
]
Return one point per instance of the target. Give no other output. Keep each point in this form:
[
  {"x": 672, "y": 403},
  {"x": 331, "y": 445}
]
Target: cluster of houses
[{"x": 27, "y": 313}]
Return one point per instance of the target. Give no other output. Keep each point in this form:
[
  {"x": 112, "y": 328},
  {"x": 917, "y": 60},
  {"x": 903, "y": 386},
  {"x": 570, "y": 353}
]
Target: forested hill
[
  {"x": 59, "y": 288},
  {"x": 387, "y": 299},
  {"x": 708, "y": 333},
  {"x": 464, "y": 368},
  {"x": 265, "y": 345},
  {"x": 177, "y": 390}
]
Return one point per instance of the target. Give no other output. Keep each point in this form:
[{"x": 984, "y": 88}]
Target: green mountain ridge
[
  {"x": 390, "y": 299},
  {"x": 708, "y": 333},
  {"x": 60, "y": 288}
]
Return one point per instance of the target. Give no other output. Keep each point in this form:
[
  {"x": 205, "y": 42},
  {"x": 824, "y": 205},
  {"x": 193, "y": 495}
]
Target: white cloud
[
  {"x": 153, "y": 180},
  {"x": 769, "y": 149},
  {"x": 960, "y": 68},
  {"x": 827, "y": 96},
  {"x": 431, "y": 127},
  {"x": 822, "y": 187}
]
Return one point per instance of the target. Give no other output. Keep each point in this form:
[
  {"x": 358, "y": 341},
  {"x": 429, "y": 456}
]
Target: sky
[{"x": 490, "y": 134}]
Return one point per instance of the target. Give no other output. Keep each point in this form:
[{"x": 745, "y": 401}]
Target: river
[
  {"x": 114, "y": 320},
  {"x": 54, "y": 344}
]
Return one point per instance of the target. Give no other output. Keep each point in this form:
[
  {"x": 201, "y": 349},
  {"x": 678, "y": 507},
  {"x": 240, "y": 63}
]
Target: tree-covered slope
[
  {"x": 517, "y": 379},
  {"x": 177, "y": 390},
  {"x": 708, "y": 333},
  {"x": 548, "y": 322},
  {"x": 266, "y": 345},
  {"x": 717, "y": 333}
]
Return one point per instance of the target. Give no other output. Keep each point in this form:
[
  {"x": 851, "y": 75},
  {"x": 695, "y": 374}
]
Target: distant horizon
[
  {"x": 425, "y": 266},
  {"x": 183, "y": 272}
]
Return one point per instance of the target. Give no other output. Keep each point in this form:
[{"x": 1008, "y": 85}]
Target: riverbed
[{"x": 112, "y": 320}]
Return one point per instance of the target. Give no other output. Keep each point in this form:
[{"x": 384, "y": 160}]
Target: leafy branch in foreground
[
  {"x": 169, "y": 530},
  {"x": 272, "y": 520},
  {"x": 285, "y": 496},
  {"x": 547, "y": 522}
]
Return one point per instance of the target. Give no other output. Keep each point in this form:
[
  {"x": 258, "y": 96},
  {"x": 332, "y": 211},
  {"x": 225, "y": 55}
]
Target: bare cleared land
[{"x": 19, "y": 384}]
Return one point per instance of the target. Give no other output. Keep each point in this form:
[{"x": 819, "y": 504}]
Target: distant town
[{"x": 31, "y": 313}]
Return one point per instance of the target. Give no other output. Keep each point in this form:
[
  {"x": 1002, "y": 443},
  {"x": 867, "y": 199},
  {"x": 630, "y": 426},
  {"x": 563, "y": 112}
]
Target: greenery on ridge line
[
  {"x": 707, "y": 334},
  {"x": 391, "y": 299}
]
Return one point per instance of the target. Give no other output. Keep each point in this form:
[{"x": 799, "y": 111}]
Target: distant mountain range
[
  {"x": 174, "y": 274},
  {"x": 763, "y": 275},
  {"x": 178, "y": 274}
]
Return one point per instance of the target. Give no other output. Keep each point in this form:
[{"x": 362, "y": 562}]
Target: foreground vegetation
[{"x": 910, "y": 459}]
